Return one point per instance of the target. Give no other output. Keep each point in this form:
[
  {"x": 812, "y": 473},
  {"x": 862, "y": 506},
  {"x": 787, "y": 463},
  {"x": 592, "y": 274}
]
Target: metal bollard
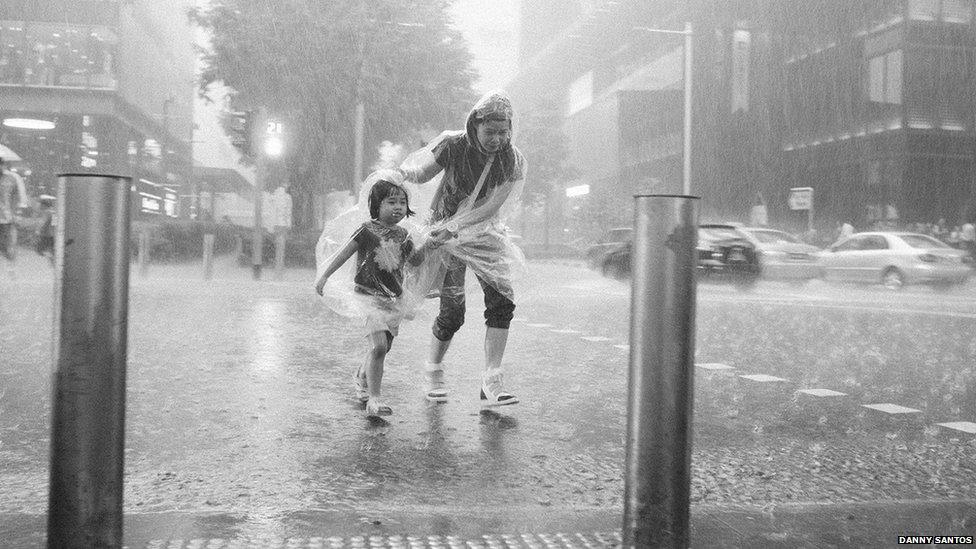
[
  {"x": 280, "y": 254},
  {"x": 144, "y": 245},
  {"x": 208, "y": 248},
  {"x": 90, "y": 330},
  {"x": 657, "y": 480}
]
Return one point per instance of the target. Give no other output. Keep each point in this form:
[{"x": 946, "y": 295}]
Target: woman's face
[{"x": 494, "y": 134}]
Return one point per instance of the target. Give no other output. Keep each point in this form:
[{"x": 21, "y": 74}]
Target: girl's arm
[
  {"x": 418, "y": 255},
  {"x": 338, "y": 259}
]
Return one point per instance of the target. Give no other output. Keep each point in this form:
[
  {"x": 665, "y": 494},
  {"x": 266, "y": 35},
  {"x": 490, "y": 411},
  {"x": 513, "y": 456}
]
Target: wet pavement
[{"x": 241, "y": 422}]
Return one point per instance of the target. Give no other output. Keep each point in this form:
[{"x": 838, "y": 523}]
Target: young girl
[{"x": 382, "y": 247}]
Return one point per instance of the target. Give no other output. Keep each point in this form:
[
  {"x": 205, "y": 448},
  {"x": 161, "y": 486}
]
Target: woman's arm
[{"x": 337, "y": 260}]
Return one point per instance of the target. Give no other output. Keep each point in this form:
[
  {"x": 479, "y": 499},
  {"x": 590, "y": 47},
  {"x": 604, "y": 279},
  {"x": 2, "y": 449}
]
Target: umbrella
[{"x": 8, "y": 155}]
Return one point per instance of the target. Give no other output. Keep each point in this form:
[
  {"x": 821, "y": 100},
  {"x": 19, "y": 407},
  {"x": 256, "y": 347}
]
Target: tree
[
  {"x": 311, "y": 62},
  {"x": 542, "y": 142}
]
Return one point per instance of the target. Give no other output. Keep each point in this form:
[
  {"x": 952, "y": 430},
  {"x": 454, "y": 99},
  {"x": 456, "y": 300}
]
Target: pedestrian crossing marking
[
  {"x": 890, "y": 408},
  {"x": 762, "y": 378},
  {"x": 595, "y": 338},
  {"x": 565, "y": 331},
  {"x": 714, "y": 366},
  {"x": 623, "y": 347},
  {"x": 821, "y": 392},
  {"x": 539, "y": 325},
  {"x": 964, "y": 426}
]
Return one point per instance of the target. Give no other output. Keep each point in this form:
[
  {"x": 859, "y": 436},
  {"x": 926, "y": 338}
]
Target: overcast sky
[{"x": 491, "y": 29}]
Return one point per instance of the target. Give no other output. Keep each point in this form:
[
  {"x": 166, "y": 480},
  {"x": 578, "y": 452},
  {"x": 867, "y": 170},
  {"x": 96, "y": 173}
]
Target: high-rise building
[
  {"x": 867, "y": 102},
  {"x": 101, "y": 86}
]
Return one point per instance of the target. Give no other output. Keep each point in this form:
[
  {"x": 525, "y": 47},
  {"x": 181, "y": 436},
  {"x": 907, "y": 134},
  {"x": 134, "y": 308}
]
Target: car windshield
[
  {"x": 774, "y": 237},
  {"x": 922, "y": 241},
  {"x": 719, "y": 233}
]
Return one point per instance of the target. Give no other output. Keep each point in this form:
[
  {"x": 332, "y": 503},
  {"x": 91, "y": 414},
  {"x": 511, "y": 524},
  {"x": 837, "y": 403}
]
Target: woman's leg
[
  {"x": 499, "y": 311},
  {"x": 449, "y": 320}
]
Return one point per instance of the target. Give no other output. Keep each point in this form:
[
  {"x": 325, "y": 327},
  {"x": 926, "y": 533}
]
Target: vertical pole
[
  {"x": 657, "y": 480},
  {"x": 686, "y": 167},
  {"x": 257, "y": 142},
  {"x": 357, "y": 173},
  {"x": 208, "y": 247},
  {"x": 280, "y": 253},
  {"x": 144, "y": 244},
  {"x": 88, "y": 416}
]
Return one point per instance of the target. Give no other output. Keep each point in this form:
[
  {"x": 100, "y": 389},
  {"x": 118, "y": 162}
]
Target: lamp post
[{"x": 686, "y": 167}]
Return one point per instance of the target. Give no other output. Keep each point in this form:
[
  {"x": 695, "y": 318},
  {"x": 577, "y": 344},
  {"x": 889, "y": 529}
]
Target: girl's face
[
  {"x": 494, "y": 134},
  {"x": 393, "y": 208}
]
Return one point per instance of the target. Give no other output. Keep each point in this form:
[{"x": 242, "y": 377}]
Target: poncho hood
[{"x": 494, "y": 105}]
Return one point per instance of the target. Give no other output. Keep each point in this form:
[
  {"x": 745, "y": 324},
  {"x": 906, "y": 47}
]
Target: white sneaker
[
  {"x": 435, "y": 390},
  {"x": 492, "y": 393}
]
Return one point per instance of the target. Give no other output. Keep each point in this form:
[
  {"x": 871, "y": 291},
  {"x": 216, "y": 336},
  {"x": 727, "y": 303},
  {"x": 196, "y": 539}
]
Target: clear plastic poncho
[
  {"x": 475, "y": 224},
  {"x": 480, "y": 239},
  {"x": 341, "y": 293}
]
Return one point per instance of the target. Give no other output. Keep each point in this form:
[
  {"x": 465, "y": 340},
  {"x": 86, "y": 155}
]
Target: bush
[{"x": 180, "y": 241}]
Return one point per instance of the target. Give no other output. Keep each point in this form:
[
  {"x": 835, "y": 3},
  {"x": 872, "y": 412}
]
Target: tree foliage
[{"x": 310, "y": 62}]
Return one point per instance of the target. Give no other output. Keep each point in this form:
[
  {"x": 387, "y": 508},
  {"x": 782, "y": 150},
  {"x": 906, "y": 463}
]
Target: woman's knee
[{"x": 499, "y": 313}]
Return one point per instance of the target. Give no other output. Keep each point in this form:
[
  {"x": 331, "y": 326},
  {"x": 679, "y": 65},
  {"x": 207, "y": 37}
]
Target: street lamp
[{"x": 686, "y": 168}]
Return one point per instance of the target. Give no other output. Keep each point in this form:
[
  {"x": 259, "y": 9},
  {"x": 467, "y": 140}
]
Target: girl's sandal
[{"x": 376, "y": 409}]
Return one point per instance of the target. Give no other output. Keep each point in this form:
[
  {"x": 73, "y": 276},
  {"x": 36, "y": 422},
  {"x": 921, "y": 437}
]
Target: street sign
[{"x": 801, "y": 198}]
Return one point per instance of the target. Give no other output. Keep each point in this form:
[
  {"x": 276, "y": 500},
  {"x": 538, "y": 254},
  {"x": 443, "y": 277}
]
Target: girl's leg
[{"x": 379, "y": 345}]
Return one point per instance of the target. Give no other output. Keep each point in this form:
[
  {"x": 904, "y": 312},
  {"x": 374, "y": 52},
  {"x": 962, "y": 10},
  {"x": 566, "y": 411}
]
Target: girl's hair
[{"x": 380, "y": 191}]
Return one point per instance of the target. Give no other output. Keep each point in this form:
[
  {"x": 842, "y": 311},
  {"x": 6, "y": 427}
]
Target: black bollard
[
  {"x": 90, "y": 330},
  {"x": 657, "y": 482}
]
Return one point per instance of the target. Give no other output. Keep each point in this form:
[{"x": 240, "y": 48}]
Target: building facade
[
  {"x": 100, "y": 86},
  {"x": 867, "y": 102}
]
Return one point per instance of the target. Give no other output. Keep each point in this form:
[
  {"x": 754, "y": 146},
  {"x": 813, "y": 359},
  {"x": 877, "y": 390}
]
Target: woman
[{"x": 482, "y": 175}]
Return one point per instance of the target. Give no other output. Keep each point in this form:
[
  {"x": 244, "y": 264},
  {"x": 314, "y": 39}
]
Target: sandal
[
  {"x": 435, "y": 388},
  {"x": 374, "y": 408},
  {"x": 492, "y": 393},
  {"x": 362, "y": 394}
]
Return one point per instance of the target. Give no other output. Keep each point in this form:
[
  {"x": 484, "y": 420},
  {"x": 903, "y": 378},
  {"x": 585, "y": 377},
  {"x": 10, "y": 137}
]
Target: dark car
[
  {"x": 612, "y": 240},
  {"x": 724, "y": 253}
]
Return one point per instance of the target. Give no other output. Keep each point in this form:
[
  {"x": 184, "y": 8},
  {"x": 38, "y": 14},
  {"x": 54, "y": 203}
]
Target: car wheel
[{"x": 893, "y": 279}]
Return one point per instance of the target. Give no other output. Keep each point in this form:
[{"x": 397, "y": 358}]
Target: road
[{"x": 240, "y": 417}]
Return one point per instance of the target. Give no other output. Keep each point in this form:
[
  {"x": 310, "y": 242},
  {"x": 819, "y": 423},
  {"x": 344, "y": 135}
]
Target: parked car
[
  {"x": 724, "y": 253},
  {"x": 895, "y": 259},
  {"x": 612, "y": 239},
  {"x": 783, "y": 256}
]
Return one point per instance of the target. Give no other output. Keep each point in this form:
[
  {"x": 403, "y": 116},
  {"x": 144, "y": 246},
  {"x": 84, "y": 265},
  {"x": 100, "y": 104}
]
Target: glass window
[
  {"x": 922, "y": 241},
  {"x": 923, "y": 10},
  {"x": 893, "y": 64},
  {"x": 957, "y": 11},
  {"x": 851, "y": 244},
  {"x": 885, "y": 78},
  {"x": 876, "y": 69},
  {"x": 52, "y": 54},
  {"x": 580, "y": 94}
]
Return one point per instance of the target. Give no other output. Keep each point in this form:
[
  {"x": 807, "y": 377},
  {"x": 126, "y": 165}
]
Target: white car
[
  {"x": 895, "y": 259},
  {"x": 783, "y": 256}
]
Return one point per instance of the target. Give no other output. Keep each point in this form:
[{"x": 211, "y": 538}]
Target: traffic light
[{"x": 240, "y": 127}]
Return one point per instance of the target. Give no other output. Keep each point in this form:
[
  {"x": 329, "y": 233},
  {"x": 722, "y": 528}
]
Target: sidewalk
[{"x": 863, "y": 525}]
